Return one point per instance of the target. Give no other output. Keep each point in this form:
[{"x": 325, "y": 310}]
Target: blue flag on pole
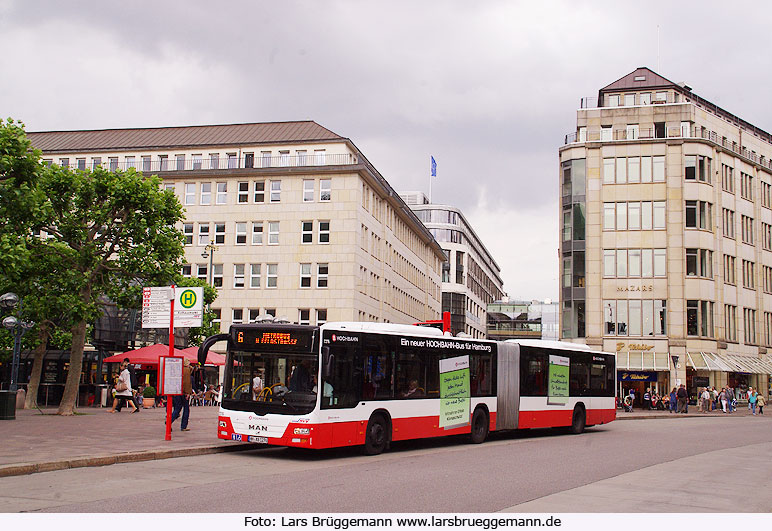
[{"x": 434, "y": 167}]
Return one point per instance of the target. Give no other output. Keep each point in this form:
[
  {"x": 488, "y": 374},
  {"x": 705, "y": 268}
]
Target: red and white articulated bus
[{"x": 346, "y": 384}]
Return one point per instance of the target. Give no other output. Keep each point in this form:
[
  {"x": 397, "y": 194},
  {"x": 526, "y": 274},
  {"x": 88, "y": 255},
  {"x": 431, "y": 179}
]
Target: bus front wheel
[
  {"x": 376, "y": 437},
  {"x": 479, "y": 426}
]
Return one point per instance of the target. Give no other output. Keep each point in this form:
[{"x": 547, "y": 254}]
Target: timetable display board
[{"x": 170, "y": 375}]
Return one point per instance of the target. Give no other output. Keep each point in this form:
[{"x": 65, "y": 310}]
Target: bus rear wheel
[
  {"x": 479, "y": 426},
  {"x": 376, "y": 436},
  {"x": 578, "y": 421}
]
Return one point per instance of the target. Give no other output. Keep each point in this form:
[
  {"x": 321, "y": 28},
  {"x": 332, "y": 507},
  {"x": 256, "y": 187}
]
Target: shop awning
[
  {"x": 642, "y": 361},
  {"x": 710, "y": 361}
]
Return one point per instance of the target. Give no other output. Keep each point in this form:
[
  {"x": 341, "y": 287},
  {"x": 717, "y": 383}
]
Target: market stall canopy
[
  {"x": 212, "y": 358},
  {"x": 145, "y": 355}
]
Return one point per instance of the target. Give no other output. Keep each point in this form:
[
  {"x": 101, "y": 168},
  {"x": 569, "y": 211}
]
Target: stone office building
[{"x": 666, "y": 237}]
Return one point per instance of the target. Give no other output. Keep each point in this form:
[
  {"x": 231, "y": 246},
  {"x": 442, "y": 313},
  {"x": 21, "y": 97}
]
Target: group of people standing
[{"x": 708, "y": 399}]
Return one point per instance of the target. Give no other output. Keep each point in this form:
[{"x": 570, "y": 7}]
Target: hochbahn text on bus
[{"x": 346, "y": 384}]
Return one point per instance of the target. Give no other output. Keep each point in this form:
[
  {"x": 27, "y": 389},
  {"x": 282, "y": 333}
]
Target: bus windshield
[{"x": 271, "y": 382}]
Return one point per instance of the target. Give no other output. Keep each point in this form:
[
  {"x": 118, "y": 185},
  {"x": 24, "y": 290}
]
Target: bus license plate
[{"x": 256, "y": 439}]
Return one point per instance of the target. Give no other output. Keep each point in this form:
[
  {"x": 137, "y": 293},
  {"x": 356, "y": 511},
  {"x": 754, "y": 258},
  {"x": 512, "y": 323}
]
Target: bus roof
[
  {"x": 557, "y": 345},
  {"x": 386, "y": 328}
]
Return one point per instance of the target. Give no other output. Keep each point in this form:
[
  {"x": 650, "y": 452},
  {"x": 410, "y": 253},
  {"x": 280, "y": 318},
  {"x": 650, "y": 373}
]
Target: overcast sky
[{"x": 488, "y": 88}]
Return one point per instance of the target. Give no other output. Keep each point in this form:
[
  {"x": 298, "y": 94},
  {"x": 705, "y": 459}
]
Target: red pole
[{"x": 171, "y": 353}]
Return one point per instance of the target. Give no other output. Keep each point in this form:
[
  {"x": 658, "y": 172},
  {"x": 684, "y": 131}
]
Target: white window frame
[
  {"x": 206, "y": 193},
  {"x": 258, "y": 190},
  {"x": 272, "y": 276},
  {"x": 254, "y": 276},
  {"x": 325, "y": 190},
  {"x": 217, "y": 275},
  {"x": 190, "y": 193},
  {"x": 322, "y": 233},
  {"x": 308, "y": 190},
  {"x": 187, "y": 230},
  {"x": 273, "y": 232},
  {"x": 243, "y": 192},
  {"x": 241, "y": 233},
  {"x": 238, "y": 276},
  {"x": 305, "y": 276},
  {"x": 275, "y": 196},
  {"x": 222, "y": 193},
  {"x": 203, "y": 233},
  {"x": 322, "y": 278},
  {"x": 219, "y": 233},
  {"x": 306, "y": 232},
  {"x": 257, "y": 234}
]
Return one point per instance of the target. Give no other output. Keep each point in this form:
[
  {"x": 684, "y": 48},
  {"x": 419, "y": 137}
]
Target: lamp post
[
  {"x": 18, "y": 328},
  {"x": 209, "y": 251}
]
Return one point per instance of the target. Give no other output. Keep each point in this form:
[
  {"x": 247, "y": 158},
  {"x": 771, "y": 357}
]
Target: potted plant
[{"x": 148, "y": 396}]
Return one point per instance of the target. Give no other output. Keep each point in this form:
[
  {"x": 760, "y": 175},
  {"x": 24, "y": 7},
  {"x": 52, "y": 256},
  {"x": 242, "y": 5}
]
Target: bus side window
[{"x": 533, "y": 372}]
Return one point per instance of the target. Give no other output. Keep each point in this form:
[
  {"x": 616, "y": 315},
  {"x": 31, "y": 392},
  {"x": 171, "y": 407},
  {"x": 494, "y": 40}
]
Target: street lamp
[
  {"x": 18, "y": 328},
  {"x": 209, "y": 251}
]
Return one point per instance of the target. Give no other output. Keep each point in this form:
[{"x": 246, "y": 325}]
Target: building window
[
  {"x": 697, "y": 168},
  {"x": 730, "y": 322},
  {"x": 206, "y": 193},
  {"x": 275, "y": 191},
  {"x": 238, "y": 316},
  {"x": 112, "y": 161},
  {"x": 324, "y": 231},
  {"x": 766, "y": 195},
  {"x": 304, "y": 316},
  {"x": 699, "y": 318},
  {"x": 259, "y": 191},
  {"x": 307, "y": 231},
  {"x": 605, "y": 133},
  {"x": 202, "y": 272},
  {"x": 644, "y": 215},
  {"x": 747, "y": 229},
  {"x": 163, "y": 162},
  {"x": 254, "y": 275},
  {"x": 222, "y": 193},
  {"x": 746, "y": 186},
  {"x": 197, "y": 161},
  {"x": 146, "y": 163},
  {"x": 301, "y": 157},
  {"x": 612, "y": 100},
  {"x": 325, "y": 189},
  {"x": 749, "y": 325},
  {"x": 635, "y": 318},
  {"x": 80, "y": 164},
  {"x": 305, "y": 275},
  {"x": 729, "y": 270},
  {"x": 749, "y": 278},
  {"x": 219, "y": 233},
  {"x": 284, "y": 159},
  {"x": 273, "y": 233},
  {"x": 257, "y": 233},
  {"x": 233, "y": 161},
  {"x": 632, "y": 131},
  {"x": 699, "y": 263},
  {"x": 699, "y": 215},
  {"x": 308, "y": 190},
  {"x": 265, "y": 159},
  {"x": 321, "y": 157},
  {"x": 322, "y": 271},
  {"x": 321, "y": 317},
  {"x": 766, "y": 236},
  {"x": 187, "y": 230},
  {"x": 728, "y": 223},
  {"x": 241, "y": 233},
  {"x": 203, "y": 233},
  {"x": 254, "y": 313},
  {"x": 190, "y": 193},
  {"x": 187, "y": 270},
  {"x": 645, "y": 98},
  {"x": 243, "y": 194},
  {"x": 768, "y": 328},
  {"x": 629, "y": 100},
  {"x": 727, "y": 178},
  {"x": 96, "y": 162},
  {"x": 272, "y": 276},
  {"x": 180, "y": 162},
  {"x": 214, "y": 161},
  {"x": 238, "y": 275},
  {"x": 217, "y": 275}
]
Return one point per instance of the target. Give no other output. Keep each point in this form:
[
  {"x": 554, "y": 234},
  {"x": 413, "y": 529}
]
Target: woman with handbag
[{"x": 123, "y": 389}]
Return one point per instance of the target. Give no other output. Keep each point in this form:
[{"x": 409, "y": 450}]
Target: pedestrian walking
[
  {"x": 705, "y": 400},
  {"x": 682, "y": 397},
  {"x": 761, "y": 402},
  {"x": 673, "y": 404},
  {"x": 752, "y": 399},
  {"x": 722, "y": 399},
  {"x": 647, "y": 399},
  {"x": 730, "y": 398},
  {"x": 181, "y": 403},
  {"x": 713, "y": 398},
  {"x": 123, "y": 393}
]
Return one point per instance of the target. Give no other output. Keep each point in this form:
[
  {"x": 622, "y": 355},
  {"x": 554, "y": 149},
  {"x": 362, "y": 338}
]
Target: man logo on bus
[{"x": 188, "y": 298}]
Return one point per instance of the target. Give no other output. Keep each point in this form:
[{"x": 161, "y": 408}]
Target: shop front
[
  {"x": 641, "y": 370},
  {"x": 710, "y": 369}
]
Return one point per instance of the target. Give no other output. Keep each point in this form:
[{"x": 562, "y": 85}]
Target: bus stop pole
[{"x": 171, "y": 353}]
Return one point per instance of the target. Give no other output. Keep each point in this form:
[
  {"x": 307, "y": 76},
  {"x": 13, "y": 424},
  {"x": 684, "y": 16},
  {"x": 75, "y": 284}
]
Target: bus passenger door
[{"x": 345, "y": 380}]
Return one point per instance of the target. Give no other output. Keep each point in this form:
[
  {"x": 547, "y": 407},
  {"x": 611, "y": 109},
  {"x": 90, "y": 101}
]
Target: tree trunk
[
  {"x": 31, "y": 401},
  {"x": 71, "y": 388}
]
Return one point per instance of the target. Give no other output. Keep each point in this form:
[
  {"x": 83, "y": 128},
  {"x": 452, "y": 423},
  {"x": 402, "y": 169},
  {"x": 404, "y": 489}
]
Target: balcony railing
[
  {"x": 696, "y": 131},
  {"x": 161, "y": 164}
]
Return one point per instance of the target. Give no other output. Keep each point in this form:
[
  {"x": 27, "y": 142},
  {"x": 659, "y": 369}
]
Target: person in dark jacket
[
  {"x": 682, "y": 396},
  {"x": 181, "y": 403}
]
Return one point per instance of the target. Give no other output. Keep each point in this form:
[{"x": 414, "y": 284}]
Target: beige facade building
[
  {"x": 666, "y": 237},
  {"x": 471, "y": 278},
  {"x": 287, "y": 219}
]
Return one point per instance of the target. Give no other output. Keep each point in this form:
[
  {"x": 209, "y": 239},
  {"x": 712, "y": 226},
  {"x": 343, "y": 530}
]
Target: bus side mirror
[{"x": 328, "y": 361}]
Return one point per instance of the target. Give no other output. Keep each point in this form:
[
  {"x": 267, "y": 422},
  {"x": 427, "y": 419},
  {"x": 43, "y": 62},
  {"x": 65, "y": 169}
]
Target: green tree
[{"x": 114, "y": 231}]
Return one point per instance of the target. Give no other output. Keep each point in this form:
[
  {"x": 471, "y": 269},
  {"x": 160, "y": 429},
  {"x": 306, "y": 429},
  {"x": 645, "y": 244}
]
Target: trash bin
[
  {"x": 102, "y": 393},
  {"x": 7, "y": 405}
]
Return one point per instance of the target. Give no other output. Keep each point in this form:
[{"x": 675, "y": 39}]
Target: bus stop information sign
[{"x": 169, "y": 384}]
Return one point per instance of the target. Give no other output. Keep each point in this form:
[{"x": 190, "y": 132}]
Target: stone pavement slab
[{"x": 42, "y": 441}]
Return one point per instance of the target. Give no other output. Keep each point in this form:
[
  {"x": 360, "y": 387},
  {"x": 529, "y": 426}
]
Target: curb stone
[{"x": 22, "y": 469}]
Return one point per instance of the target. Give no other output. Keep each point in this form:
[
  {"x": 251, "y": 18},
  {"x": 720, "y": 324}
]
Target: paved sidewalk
[{"x": 36, "y": 442}]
